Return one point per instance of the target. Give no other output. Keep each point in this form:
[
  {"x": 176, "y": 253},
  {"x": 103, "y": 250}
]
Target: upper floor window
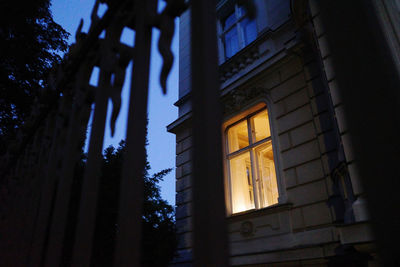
[
  {"x": 250, "y": 163},
  {"x": 236, "y": 31}
]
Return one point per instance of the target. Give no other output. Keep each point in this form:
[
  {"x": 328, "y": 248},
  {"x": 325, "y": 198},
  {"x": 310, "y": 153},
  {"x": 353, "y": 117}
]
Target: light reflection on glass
[
  {"x": 260, "y": 125},
  {"x": 241, "y": 183},
  {"x": 266, "y": 177},
  {"x": 238, "y": 136}
]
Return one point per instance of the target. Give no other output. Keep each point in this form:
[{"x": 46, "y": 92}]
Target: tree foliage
[
  {"x": 30, "y": 44},
  {"x": 158, "y": 225}
]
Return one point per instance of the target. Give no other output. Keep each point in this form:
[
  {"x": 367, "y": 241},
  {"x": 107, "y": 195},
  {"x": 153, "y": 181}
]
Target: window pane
[
  {"x": 241, "y": 183},
  {"x": 238, "y": 137},
  {"x": 229, "y": 21},
  {"x": 231, "y": 42},
  {"x": 260, "y": 126},
  {"x": 249, "y": 30},
  {"x": 266, "y": 180}
]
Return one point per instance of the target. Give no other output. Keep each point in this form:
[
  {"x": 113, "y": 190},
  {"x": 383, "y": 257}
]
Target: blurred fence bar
[
  {"x": 210, "y": 246},
  {"x": 37, "y": 173}
]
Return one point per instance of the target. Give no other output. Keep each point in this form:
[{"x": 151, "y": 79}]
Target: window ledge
[{"x": 264, "y": 211}]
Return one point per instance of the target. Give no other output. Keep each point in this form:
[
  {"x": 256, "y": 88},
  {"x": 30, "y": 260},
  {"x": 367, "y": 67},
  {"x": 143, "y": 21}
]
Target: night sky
[{"x": 161, "y": 148}]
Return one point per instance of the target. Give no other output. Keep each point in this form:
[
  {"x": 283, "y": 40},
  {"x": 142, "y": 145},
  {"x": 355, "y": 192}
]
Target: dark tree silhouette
[
  {"x": 30, "y": 44},
  {"x": 158, "y": 225}
]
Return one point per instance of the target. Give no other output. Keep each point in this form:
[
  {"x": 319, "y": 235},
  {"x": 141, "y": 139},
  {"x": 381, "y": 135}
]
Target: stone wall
[
  {"x": 302, "y": 218},
  {"x": 359, "y": 207},
  {"x": 299, "y": 90},
  {"x": 184, "y": 193}
]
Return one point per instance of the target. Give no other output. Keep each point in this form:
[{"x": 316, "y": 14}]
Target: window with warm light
[{"x": 250, "y": 163}]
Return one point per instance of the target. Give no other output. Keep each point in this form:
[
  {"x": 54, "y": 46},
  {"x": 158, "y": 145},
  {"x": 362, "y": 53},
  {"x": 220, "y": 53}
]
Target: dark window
[{"x": 237, "y": 31}]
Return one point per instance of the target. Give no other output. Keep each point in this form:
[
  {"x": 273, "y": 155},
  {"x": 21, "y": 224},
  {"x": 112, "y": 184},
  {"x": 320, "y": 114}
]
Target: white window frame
[{"x": 254, "y": 169}]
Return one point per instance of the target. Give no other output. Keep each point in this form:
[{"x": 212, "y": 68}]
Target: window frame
[
  {"x": 254, "y": 164},
  {"x": 239, "y": 28}
]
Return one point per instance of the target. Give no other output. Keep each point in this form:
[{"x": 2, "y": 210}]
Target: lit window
[
  {"x": 250, "y": 161},
  {"x": 237, "y": 31}
]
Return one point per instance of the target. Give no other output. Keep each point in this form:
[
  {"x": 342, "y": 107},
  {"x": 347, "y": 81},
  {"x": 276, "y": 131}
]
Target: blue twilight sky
[{"x": 161, "y": 148}]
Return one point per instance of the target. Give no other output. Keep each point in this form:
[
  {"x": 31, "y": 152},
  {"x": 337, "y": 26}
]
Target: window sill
[{"x": 260, "y": 212}]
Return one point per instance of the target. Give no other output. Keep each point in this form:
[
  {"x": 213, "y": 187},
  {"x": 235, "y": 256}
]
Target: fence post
[
  {"x": 210, "y": 246},
  {"x": 131, "y": 194}
]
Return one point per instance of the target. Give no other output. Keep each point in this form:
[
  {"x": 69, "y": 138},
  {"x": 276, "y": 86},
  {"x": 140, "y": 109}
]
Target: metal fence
[{"x": 38, "y": 170}]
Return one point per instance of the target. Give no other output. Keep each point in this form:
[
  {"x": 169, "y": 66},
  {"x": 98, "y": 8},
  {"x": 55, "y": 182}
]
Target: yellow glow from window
[
  {"x": 260, "y": 125},
  {"x": 255, "y": 162},
  {"x": 241, "y": 183},
  {"x": 266, "y": 180},
  {"x": 238, "y": 136}
]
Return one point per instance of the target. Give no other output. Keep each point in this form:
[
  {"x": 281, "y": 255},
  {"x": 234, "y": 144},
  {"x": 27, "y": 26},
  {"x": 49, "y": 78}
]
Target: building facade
[{"x": 292, "y": 191}]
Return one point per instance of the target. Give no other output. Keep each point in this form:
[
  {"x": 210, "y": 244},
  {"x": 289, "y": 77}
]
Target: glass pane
[
  {"x": 249, "y": 30},
  {"x": 231, "y": 42},
  {"x": 260, "y": 126},
  {"x": 229, "y": 21},
  {"x": 238, "y": 137},
  {"x": 266, "y": 176},
  {"x": 241, "y": 183}
]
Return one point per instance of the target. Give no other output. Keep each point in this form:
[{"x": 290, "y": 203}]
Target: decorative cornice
[
  {"x": 249, "y": 54},
  {"x": 181, "y": 121},
  {"x": 238, "y": 62},
  {"x": 237, "y": 99},
  {"x": 183, "y": 99}
]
